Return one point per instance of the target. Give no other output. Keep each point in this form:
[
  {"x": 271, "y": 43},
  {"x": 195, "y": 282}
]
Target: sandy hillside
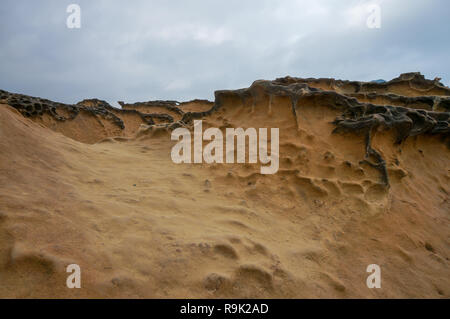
[{"x": 363, "y": 179}]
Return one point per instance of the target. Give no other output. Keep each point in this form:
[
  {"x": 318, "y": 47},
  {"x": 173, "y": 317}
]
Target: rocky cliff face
[
  {"x": 363, "y": 179},
  {"x": 409, "y": 105}
]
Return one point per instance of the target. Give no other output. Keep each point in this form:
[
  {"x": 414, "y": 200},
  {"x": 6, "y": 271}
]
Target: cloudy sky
[{"x": 141, "y": 50}]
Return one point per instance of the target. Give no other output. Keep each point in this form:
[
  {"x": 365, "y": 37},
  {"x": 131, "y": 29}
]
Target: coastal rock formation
[
  {"x": 363, "y": 179},
  {"x": 407, "y": 116}
]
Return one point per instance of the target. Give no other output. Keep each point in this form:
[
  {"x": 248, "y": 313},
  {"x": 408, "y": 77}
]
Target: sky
[{"x": 144, "y": 50}]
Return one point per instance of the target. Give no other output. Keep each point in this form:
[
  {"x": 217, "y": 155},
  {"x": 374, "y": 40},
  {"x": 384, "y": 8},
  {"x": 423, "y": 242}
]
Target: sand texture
[{"x": 363, "y": 179}]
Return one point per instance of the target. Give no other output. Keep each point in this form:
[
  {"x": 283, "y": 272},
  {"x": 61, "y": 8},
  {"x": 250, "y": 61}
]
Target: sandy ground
[{"x": 141, "y": 226}]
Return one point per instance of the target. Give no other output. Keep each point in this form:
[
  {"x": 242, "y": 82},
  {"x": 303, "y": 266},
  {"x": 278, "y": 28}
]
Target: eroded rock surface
[{"x": 95, "y": 185}]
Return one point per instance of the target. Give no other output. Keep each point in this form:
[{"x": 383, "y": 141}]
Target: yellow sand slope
[{"x": 141, "y": 226}]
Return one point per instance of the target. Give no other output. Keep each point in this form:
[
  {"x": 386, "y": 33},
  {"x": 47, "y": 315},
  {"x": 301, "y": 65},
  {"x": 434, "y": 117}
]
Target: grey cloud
[{"x": 144, "y": 50}]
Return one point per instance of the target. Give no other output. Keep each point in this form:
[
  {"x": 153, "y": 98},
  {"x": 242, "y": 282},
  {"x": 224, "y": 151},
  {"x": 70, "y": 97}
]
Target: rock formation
[
  {"x": 363, "y": 179},
  {"x": 358, "y": 103}
]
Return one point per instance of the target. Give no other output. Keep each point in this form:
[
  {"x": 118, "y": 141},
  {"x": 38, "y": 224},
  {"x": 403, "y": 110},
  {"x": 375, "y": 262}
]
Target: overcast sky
[{"x": 141, "y": 50}]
